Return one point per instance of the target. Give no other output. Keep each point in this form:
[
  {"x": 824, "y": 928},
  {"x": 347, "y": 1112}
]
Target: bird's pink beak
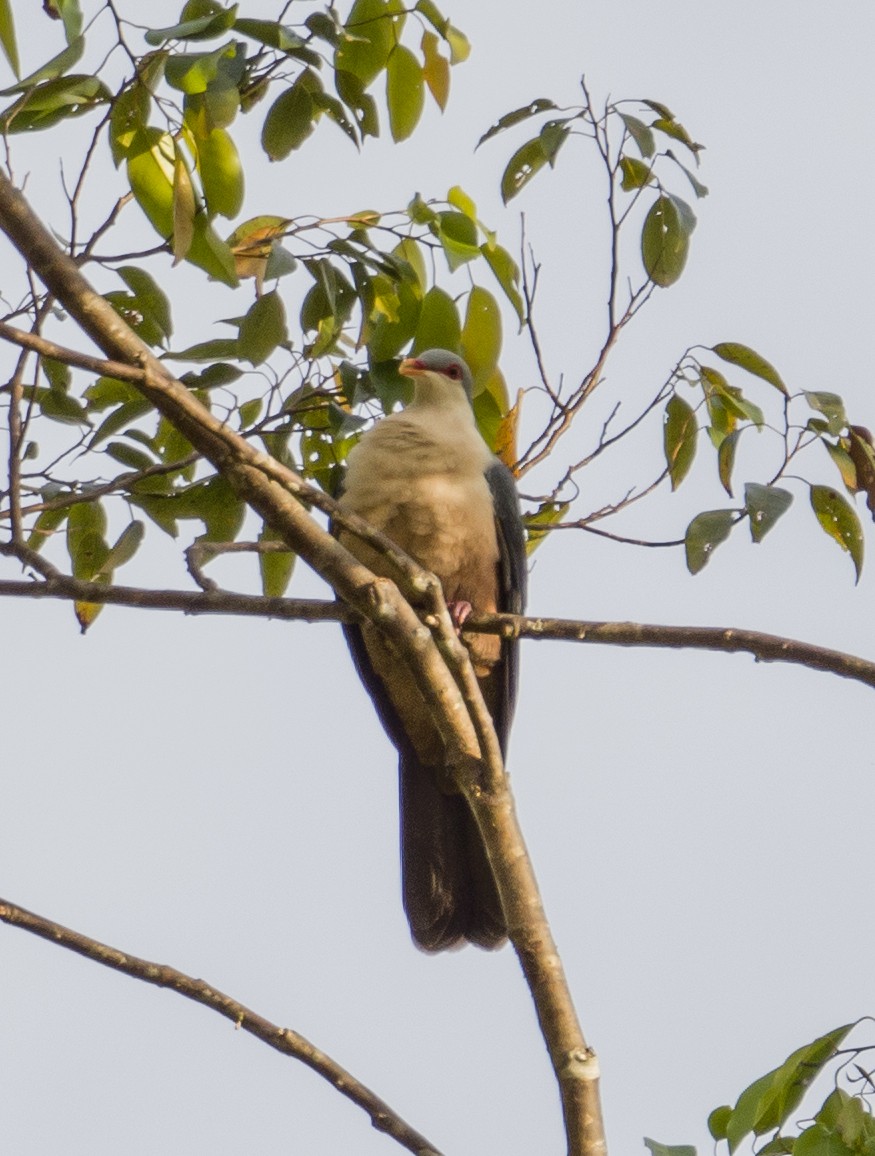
[{"x": 410, "y": 367}]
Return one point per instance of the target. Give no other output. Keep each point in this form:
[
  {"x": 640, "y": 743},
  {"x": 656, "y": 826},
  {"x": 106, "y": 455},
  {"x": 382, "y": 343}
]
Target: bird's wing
[{"x": 512, "y": 583}]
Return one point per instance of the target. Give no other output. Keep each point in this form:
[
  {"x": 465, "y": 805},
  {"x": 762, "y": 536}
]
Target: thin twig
[{"x": 283, "y": 1040}]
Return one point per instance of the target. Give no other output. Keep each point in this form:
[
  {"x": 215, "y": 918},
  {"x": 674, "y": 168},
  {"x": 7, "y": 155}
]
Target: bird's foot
[{"x": 460, "y": 612}]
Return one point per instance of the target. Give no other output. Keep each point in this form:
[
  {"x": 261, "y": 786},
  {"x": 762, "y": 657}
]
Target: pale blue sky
[{"x": 218, "y": 794}]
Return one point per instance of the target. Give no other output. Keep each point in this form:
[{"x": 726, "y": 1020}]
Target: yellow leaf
[
  {"x": 435, "y": 70},
  {"x": 505, "y": 439}
]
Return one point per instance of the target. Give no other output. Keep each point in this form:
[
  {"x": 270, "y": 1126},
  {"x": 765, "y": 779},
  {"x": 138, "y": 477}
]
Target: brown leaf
[{"x": 861, "y": 450}]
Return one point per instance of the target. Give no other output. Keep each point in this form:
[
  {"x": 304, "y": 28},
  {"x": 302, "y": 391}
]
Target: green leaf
[
  {"x": 150, "y": 167},
  {"x": 844, "y": 464},
  {"x": 45, "y": 526},
  {"x": 54, "y": 101},
  {"x": 129, "y": 456},
  {"x": 372, "y": 30},
  {"x": 130, "y": 111},
  {"x": 71, "y": 15},
  {"x": 460, "y": 48},
  {"x": 409, "y": 251},
  {"x": 457, "y": 234},
  {"x": 405, "y": 92},
  {"x": 676, "y": 131},
  {"x": 221, "y": 173},
  {"x": 289, "y": 121},
  {"x": 665, "y": 240},
  {"x": 429, "y": 10},
  {"x": 553, "y": 136},
  {"x": 490, "y": 407},
  {"x": 459, "y": 199},
  {"x": 150, "y": 298},
  {"x": 439, "y": 326},
  {"x": 160, "y": 508},
  {"x": 124, "y": 549},
  {"x": 481, "y": 336},
  {"x": 57, "y": 66},
  {"x": 821, "y": 1141},
  {"x": 832, "y": 407},
  {"x": 216, "y": 505},
  {"x": 276, "y": 566},
  {"x": 263, "y": 329},
  {"x": 361, "y": 104},
  {"x": 7, "y": 36},
  {"x": 698, "y": 188},
  {"x": 533, "y": 108},
  {"x": 537, "y": 524},
  {"x": 334, "y": 110},
  {"x": 107, "y": 391},
  {"x": 220, "y": 347},
  {"x": 769, "y": 1101},
  {"x": 839, "y": 519},
  {"x": 765, "y": 505},
  {"x": 61, "y": 408},
  {"x": 726, "y": 459},
  {"x": 746, "y": 358},
  {"x": 636, "y": 174},
  {"x": 680, "y": 432},
  {"x": 126, "y": 413},
  {"x": 57, "y": 374},
  {"x": 704, "y": 534},
  {"x": 389, "y": 337},
  {"x": 780, "y": 1146},
  {"x": 200, "y": 28},
  {"x": 195, "y": 72},
  {"x": 718, "y": 1120},
  {"x": 729, "y": 399},
  {"x": 276, "y": 35},
  {"x": 507, "y": 274},
  {"x": 658, "y": 1149},
  {"x": 641, "y": 133},
  {"x": 528, "y": 160},
  {"x": 86, "y": 526}
]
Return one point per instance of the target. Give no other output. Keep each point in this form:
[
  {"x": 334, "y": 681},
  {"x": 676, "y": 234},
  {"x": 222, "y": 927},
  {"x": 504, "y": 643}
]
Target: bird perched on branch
[{"x": 425, "y": 477}]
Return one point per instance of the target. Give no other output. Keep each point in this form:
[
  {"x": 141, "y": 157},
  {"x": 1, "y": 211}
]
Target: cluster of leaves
[
  {"x": 729, "y": 415},
  {"x": 362, "y": 295},
  {"x": 185, "y": 170},
  {"x": 170, "y": 133},
  {"x": 669, "y": 221},
  {"x": 843, "y": 1125}
]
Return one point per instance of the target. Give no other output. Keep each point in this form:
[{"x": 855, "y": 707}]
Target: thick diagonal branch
[{"x": 269, "y": 488}]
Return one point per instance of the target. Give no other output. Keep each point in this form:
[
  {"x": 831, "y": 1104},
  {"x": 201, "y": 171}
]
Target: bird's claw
[{"x": 460, "y": 612}]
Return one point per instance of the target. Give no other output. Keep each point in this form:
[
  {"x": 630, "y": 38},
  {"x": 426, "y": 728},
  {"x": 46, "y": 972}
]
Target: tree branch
[
  {"x": 725, "y": 639},
  {"x": 283, "y": 1040},
  {"x": 275, "y": 492}
]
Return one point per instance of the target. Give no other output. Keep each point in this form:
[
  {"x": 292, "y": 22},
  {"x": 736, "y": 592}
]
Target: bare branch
[{"x": 283, "y": 1040}]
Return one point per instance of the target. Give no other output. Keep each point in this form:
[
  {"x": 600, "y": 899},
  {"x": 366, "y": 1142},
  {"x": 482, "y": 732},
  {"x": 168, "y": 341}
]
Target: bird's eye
[{"x": 454, "y": 372}]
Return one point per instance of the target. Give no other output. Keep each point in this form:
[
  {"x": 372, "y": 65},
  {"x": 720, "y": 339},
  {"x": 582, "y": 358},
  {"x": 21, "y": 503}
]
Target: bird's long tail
[{"x": 448, "y": 887}]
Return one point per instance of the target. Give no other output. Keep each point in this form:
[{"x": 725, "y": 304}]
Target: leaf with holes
[
  {"x": 765, "y": 505},
  {"x": 839, "y": 519},
  {"x": 665, "y": 240},
  {"x": 528, "y": 160},
  {"x": 704, "y": 534}
]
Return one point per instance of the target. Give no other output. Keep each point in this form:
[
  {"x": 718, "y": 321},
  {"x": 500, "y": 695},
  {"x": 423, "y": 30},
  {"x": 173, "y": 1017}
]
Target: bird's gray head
[{"x": 440, "y": 367}]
